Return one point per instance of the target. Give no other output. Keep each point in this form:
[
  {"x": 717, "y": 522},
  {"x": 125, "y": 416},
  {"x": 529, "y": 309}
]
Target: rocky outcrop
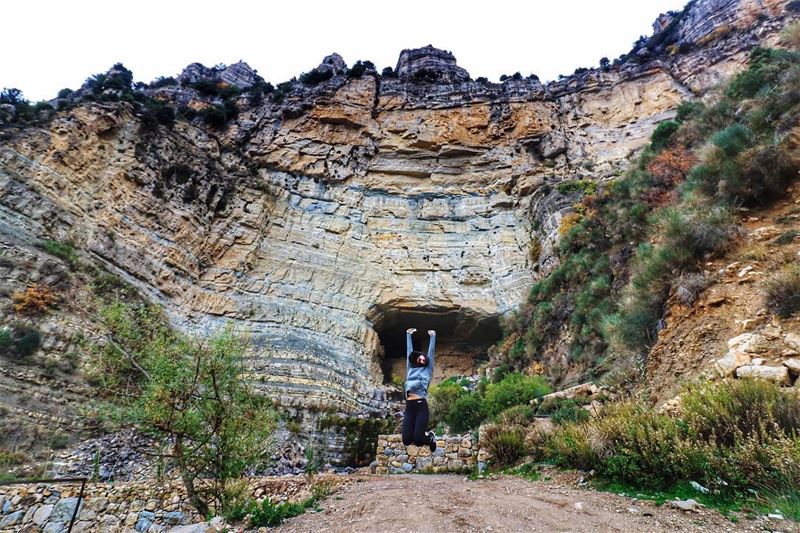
[
  {"x": 325, "y": 219},
  {"x": 238, "y": 75},
  {"x": 430, "y": 64}
]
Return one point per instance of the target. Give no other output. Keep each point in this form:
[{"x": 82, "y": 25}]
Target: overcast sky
[{"x": 48, "y": 45}]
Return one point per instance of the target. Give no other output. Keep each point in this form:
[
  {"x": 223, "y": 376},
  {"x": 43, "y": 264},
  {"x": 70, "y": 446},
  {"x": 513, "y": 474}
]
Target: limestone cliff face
[{"x": 326, "y": 222}]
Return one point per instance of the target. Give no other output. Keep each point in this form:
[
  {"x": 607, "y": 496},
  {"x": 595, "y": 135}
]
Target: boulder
[
  {"x": 776, "y": 374},
  {"x": 685, "y": 505},
  {"x": 748, "y": 343},
  {"x": 792, "y": 340},
  {"x": 793, "y": 365},
  {"x": 727, "y": 365}
]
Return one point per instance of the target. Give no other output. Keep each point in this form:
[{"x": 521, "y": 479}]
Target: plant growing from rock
[
  {"x": 783, "y": 291},
  {"x": 35, "y": 300}
]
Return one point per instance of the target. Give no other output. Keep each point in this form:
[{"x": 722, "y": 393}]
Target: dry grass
[{"x": 34, "y": 300}]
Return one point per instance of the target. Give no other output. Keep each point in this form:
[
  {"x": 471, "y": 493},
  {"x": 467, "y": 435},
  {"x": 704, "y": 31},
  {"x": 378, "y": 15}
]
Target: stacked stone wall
[
  {"x": 453, "y": 453},
  {"x": 141, "y": 506}
]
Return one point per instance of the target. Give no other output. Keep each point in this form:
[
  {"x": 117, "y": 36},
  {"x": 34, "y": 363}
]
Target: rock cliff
[{"x": 335, "y": 211}]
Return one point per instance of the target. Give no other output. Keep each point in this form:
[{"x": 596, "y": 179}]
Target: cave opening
[{"x": 463, "y": 338}]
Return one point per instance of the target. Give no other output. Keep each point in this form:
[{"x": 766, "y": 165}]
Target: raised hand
[
  {"x": 432, "y": 332},
  {"x": 411, "y": 330}
]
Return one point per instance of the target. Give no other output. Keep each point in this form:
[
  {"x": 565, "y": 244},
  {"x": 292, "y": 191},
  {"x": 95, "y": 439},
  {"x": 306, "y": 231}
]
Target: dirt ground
[{"x": 449, "y": 503}]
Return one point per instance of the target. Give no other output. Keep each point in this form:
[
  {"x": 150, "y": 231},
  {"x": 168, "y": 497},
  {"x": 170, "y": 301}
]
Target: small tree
[{"x": 189, "y": 394}]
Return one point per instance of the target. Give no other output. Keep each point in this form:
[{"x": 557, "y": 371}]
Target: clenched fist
[
  {"x": 411, "y": 330},
  {"x": 432, "y": 333}
]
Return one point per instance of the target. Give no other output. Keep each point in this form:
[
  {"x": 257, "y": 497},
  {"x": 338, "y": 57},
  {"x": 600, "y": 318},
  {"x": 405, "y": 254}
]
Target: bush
[
  {"x": 739, "y": 408},
  {"x": 568, "y": 410},
  {"x": 358, "y": 70},
  {"x": 315, "y": 76},
  {"x": 269, "y": 514},
  {"x": 730, "y": 436},
  {"x": 156, "y": 112},
  {"x": 514, "y": 389},
  {"x": 34, "y": 300},
  {"x": 215, "y": 116},
  {"x": 466, "y": 413},
  {"x": 663, "y": 134},
  {"x": 783, "y": 291},
  {"x": 6, "y": 339},
  {"x": 62, "y": 250},
  {"x": 519, "y": 415},
  {"x": 163, "y": 82},
  {"x": 442, "y": 397},
  {"x": 577, "y": 186},
  {"x": 505, "y": 444},
  {"x": 689, "y": 286},
  {"x": 19, "y": 342}
]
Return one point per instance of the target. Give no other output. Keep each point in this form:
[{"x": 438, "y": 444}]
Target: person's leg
[
  {"x": 421, "y": 424},
  {"x": 409, "y": 419}
]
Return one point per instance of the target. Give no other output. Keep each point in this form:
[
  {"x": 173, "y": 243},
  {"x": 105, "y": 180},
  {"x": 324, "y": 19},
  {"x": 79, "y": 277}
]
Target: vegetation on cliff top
[{"x": 639, "y": 237}]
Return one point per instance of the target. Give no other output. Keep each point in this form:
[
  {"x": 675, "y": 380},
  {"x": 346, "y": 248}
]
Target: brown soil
[
  {"x": 695, "y": 336},
  {"x": 449, "y": 503}
]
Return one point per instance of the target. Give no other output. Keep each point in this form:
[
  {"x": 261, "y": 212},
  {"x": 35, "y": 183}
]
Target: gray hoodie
[{"x": 418, "y": 378}]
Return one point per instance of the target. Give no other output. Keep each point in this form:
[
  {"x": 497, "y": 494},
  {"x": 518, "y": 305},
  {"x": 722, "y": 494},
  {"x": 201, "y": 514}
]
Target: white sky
[{"x": 48, "y": 45}]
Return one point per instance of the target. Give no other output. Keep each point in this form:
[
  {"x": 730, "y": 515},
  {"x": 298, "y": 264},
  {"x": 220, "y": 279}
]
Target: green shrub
[
  {"x": 786, "y": 237},
  {"x": 505, "y": 444},
  {"x": 766, "y": 68},
  {"x": 466, "y": 413},
  {"x": 568, "y": 410},
  {"x": 783, "y": 291},
  {"x": 62, "y": 250},
  {"x": 215, "y": 116},
  {"x": 269, "y": 514},
  {"x": 723, "y": 413},
  {"x": 734, "y": 437},
  {"x": 519, "y": 415},
  {"x": 315, "y": 76},
  {"x": 6, "y": 339},
  {"x": 19, "y": 342},
  {"x": 581, "y": 186},
  {"x": 663, "y": 134},
  {"x": 441, "y": 398},
  {"x": 514, "y": 389},
  {"x": 28, "y": 341},
  {"x": 358, "y": 70},
  {"x": 163, "y": 82}
]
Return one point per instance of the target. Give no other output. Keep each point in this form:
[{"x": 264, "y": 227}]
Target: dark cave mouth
[{"x": 463, "y": 336}]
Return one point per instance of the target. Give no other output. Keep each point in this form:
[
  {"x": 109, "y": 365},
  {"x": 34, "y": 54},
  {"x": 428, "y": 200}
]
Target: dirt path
[{"x": 422, "y": 503}]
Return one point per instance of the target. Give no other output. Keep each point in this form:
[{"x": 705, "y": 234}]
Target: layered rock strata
[{"x": 322, "y": 220}]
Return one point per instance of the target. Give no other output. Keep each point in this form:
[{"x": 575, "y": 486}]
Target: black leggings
[{"x": 415, "y": 423}]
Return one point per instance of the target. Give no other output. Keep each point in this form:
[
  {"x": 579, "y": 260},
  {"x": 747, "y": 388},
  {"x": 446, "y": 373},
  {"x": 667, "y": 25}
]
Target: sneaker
[{"x": 431, "y": 435}]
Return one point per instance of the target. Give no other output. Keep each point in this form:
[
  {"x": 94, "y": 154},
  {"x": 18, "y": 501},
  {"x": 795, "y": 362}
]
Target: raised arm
[
  {"x": 431, "y": 346},
  {"x": 409, "y": 346}
]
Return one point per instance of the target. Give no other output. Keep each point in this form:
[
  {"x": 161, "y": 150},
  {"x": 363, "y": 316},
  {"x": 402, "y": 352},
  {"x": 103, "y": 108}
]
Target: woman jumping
[{"x": 419, "y": 371}]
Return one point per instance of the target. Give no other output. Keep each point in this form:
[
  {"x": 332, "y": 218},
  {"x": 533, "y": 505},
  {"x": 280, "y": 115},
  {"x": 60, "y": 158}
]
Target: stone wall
[
  {"x": 453, "y": 453},
  {"x": 144, "y": 506}
]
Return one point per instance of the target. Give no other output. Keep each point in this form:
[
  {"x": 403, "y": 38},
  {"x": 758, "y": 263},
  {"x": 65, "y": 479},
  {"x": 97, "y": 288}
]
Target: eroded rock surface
[{"x": 310, "y": 217}]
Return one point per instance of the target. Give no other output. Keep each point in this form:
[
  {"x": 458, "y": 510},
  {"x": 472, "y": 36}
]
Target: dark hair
[{"x": 415, "y": 356}]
